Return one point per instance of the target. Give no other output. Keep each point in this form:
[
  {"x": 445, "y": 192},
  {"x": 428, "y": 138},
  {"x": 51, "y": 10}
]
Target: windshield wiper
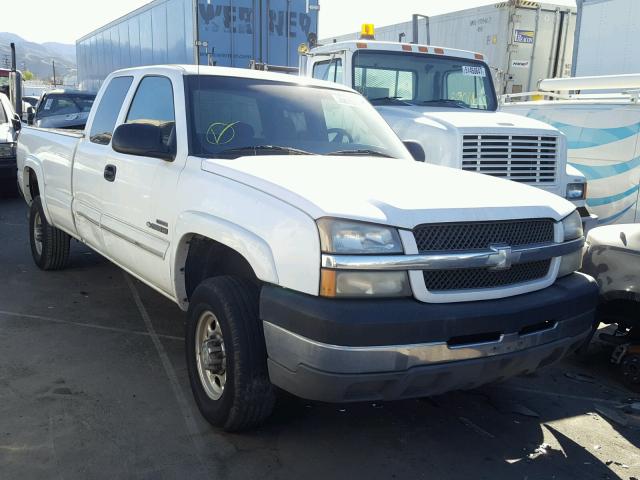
[
  {"x": 447, "y": 101},
  {"x": 389, "y": 100},
  {"x": 276, "y": 149},
  {"x": 361, "y": 151}
]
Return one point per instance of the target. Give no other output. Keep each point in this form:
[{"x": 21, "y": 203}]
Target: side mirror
[
  {"x": 144, "y": 140},
  {"x": 416, "y": 150},
  {"x": 16, "y": 123}
]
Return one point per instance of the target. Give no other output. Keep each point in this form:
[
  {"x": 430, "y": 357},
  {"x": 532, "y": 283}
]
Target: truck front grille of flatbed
[
  {"x": 521, "y": 158},
  {"x": 448, "y": 237},
  {"x": 475, "y": 278}
]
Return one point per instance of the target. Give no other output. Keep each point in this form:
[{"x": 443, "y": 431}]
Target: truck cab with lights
[{"x": 445, "y": 99}]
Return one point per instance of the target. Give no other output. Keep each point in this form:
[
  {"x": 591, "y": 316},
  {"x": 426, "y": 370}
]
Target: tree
[{"x": 27, "y": 75}]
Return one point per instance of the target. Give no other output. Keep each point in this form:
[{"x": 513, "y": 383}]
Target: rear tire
[
  {"x": 49, "y": 246},
  {"x": 226, "y": 354}
]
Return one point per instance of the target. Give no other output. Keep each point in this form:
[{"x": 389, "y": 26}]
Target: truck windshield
[
  {"x": 64, "y": 104},
  {"x": 402, "y": 78},
  {"x": 230, "y": 117}
]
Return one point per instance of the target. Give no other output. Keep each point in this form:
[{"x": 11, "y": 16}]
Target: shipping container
[
  {"x": 607, "y": 38},
  {"x": 206, "y": 32},
  {"x": 522, "y": 41}
]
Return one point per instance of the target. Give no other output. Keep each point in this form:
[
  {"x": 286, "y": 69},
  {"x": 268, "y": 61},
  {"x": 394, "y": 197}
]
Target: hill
[{"x": 37, "y": 57}]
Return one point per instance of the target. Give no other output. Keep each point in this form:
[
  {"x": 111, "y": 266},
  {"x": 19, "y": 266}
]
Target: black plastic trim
[{"x": 370, "y": 322}]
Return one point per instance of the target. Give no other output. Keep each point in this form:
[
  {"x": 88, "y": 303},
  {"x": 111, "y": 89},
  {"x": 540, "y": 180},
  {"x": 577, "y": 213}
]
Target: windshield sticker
[
  {"x": 220, "y": 133},
  {"x": 47, "y": 104},
  {"x": 472, "y": 71}
]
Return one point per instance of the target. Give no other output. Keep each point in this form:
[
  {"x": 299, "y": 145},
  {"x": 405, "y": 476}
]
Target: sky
[{"x": 65, "y": 20}]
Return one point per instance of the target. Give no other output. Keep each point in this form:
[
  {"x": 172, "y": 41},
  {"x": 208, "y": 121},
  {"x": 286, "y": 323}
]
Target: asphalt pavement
[{"x": 93, "y": 384}]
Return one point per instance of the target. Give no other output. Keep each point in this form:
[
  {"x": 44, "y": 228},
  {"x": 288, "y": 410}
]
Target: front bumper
[{"x": 356, "y": 350}]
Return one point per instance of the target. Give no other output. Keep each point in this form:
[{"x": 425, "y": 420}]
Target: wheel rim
[
  {"x": 211, "y": 358},
  {"x": 37, "y": 233}
]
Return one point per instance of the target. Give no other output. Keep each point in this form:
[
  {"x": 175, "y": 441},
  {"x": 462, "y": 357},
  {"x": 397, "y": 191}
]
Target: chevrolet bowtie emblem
[{"x": 503, "y": 257}]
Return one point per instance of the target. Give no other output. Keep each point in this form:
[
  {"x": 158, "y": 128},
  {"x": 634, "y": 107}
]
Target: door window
[
  {"x": 153, "y": 104},
  {"x": 105, "y": 118},
  {"x": 330, "y": 70}
]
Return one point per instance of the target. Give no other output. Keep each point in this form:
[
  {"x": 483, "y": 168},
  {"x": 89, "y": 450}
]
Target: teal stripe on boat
[
  {"x": 596, "y": 202},
  {"x": 603, "y": 171},
  {"x": 616, "y": 216},
  {"x": 586, "y": 137}
]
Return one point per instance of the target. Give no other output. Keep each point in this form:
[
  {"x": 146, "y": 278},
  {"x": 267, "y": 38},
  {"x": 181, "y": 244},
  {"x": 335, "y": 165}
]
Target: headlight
[
  {"x": 572, "y": 226},
  {"x": 570, "y": 263},
  {"x": 7, "y": 150},
  {"x": 576, "y": 191},
  {"x": 355, "y": 238},
  {"x": 336, "y": 283}
]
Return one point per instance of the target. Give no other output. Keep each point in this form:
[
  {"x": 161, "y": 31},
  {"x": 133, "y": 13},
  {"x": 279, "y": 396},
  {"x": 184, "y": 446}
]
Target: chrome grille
[
  {"x": 480, "y": 236},
  {"x": 521, "y": 158},
  {"x": 474, "y": 278}
]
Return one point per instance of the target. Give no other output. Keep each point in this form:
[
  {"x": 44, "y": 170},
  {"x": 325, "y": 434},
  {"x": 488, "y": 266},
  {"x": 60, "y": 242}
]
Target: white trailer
[
  {"x": 522, "y": 41},
  {"x": 607, "y": 35}
]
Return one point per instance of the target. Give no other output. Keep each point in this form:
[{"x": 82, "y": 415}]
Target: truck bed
[{"x": 57, "y": 147}]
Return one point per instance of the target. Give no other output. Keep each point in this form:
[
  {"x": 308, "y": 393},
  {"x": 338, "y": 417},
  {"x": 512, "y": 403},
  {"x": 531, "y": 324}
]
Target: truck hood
[
  {"x": 402, "y": 193},
  {"x": 475, "y": 120}
]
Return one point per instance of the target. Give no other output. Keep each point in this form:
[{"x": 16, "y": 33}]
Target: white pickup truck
[
  {"x": 312, "y": 252},
  {"x": 444, "y": 99}
]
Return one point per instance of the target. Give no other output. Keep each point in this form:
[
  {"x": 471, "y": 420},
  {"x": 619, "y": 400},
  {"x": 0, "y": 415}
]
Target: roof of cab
[
  {"x": 353, "y": 45},
  {"x": 236, "y": 72}
]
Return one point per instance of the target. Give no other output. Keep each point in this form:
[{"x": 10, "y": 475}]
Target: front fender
[{"x": 253, "y": 248}]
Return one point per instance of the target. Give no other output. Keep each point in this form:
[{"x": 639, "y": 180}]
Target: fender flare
[
  {"x": 252, "y": 247},
  {"x": 34, "y": 164}
]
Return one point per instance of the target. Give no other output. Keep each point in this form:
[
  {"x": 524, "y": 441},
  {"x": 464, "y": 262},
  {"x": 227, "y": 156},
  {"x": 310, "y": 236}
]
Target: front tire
[
  {"x": 49, "y": 246},
  {"x": 226, "y": 354}
]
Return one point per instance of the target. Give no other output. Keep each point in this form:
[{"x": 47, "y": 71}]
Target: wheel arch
[
  {"x": 235, "y": 243},
  {"x": 33, "y": 184}
]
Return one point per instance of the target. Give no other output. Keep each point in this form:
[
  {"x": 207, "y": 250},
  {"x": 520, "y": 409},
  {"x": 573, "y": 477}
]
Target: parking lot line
[
  {"x": 185, "y": 409},
  {"x": 80, "y": 324}
]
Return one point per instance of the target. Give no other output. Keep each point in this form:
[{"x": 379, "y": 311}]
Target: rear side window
[
  {"x": 108, "y": 109},
  {"x": 153, "y": 104}
]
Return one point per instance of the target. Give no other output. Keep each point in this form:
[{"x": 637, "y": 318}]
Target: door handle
[{"x": 110, "y": 173}]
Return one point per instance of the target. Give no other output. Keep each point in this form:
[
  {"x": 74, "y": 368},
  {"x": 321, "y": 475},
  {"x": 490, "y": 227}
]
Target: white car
[
  {"x": 310, "y": 249},
  {"x": 9, "y": 128}
]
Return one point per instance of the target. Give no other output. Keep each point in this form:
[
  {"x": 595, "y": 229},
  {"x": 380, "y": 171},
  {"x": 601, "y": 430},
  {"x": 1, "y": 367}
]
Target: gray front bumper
[{"x": 331, "y": 373}]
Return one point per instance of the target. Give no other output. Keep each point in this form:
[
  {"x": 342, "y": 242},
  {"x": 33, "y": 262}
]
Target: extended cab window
[
  {"x": 105, "y": 118},
  {"x": 153, "y": 104},
  {"x": 330, "y": 70}
]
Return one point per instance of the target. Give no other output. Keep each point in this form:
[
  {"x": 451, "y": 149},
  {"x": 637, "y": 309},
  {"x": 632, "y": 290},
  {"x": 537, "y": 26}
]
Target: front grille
[
  {"x": 480, "y": 235},
  {"x": 521, "y": 158},
  {"x": 475, "y": 278},
  {"x": 448, "y": 237}
]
